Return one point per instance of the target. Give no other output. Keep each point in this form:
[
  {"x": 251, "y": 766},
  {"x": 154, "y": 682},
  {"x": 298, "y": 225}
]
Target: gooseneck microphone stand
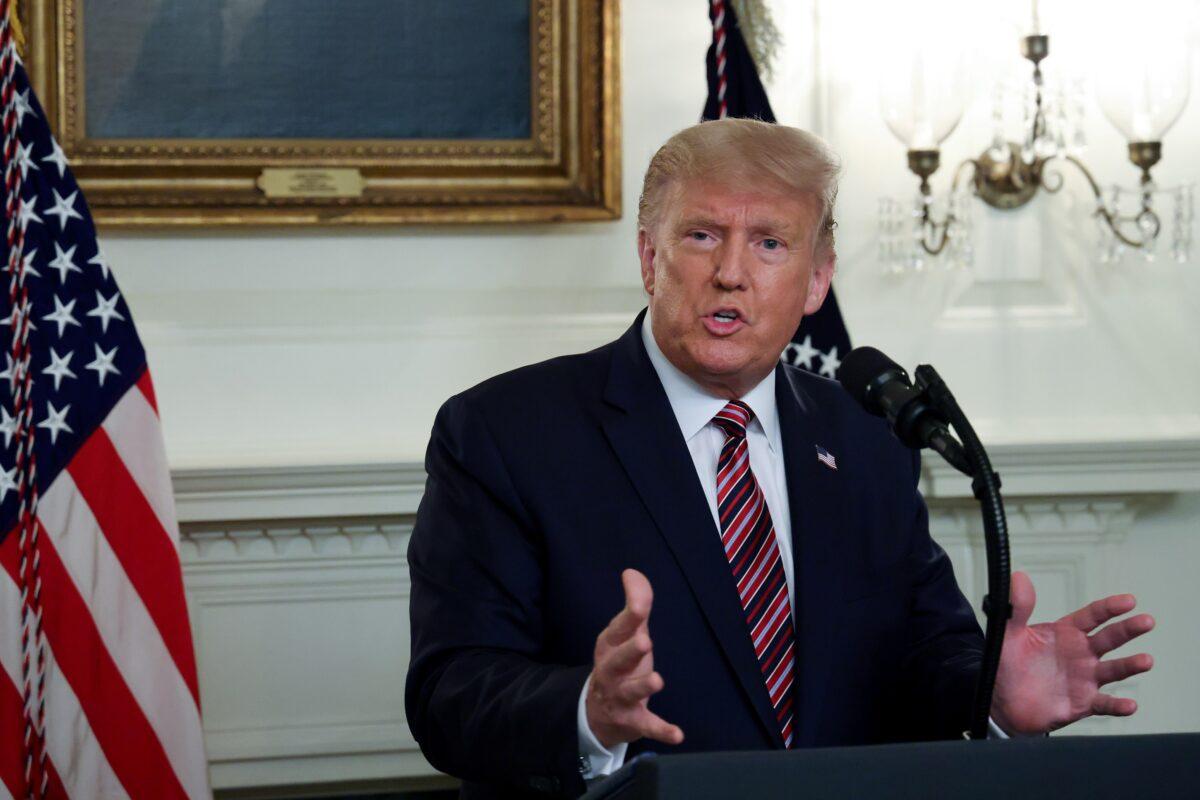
[{"x": 985, "y": 484}]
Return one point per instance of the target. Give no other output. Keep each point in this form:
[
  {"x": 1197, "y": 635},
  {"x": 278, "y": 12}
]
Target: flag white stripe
[
  {"x": 136, "y": 435},
  {"x": 70, "y": 744},
  {"x": 10, "y": 647},
  {"x": 127, "y": 630}
]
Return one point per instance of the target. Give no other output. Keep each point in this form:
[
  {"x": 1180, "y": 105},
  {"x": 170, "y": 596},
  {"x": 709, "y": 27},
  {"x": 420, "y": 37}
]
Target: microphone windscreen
[{"x": 861, "y": 367}]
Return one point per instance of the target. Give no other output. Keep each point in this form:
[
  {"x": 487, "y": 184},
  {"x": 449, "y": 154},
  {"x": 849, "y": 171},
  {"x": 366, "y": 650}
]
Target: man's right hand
[{"x": 623, "y": 676}]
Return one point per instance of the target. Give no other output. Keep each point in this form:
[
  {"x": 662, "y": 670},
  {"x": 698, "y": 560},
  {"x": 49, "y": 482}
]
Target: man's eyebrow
[
  {"x": 770, "y": 226},
  {"x": 700, "y": 221}
]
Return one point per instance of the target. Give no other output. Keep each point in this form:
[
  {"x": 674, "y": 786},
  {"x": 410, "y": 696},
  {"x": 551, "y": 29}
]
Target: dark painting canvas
[{"x": 350, "y": 69}]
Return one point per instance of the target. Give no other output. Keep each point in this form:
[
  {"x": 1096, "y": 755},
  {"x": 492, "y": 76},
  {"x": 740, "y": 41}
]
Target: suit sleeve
[
  {"x": 480, "y": 698},
  {"x": 944, "y": 644}
]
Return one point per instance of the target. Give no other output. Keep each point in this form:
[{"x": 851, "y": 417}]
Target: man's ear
[
  {"x": 646, "y": 252},
  {"x": 822, "y": 277}
]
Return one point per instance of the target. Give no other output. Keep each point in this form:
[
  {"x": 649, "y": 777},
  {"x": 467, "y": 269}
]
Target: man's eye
[
  {"x": 772, "y": 244},
  {"x": 698, "y": 236}
]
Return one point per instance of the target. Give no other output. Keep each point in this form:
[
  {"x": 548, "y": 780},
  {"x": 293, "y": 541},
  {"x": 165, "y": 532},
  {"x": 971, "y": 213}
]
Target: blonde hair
[{"x": 745, "y": 151}]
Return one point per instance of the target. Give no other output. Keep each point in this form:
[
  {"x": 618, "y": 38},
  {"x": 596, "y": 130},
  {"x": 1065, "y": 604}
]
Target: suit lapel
[
  {"x": 645, "y": 435},
  {"x": 814, "y": 494}
]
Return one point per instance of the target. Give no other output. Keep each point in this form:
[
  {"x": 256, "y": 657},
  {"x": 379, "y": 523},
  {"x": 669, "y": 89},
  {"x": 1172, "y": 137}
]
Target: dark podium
[{"x": 1085, "y": 767}]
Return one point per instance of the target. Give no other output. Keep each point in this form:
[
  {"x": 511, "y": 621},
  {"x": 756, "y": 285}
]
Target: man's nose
[{"x": 732, "y": 264}]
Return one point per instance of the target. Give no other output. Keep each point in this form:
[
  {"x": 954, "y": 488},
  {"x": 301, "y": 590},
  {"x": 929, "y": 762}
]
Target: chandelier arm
[
  {"x": 1044, "y": 184},
  {"x": 940, "y": 233},
  {"x": 935, "y": 235},
  {"x": 958, "y": 171},
  {"x": 1087, "y": 173},
  {"x": 1114, "y": 220}
]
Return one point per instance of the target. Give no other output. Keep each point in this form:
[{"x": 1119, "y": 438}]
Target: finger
[
  {"x": 626, "y": 658},
  {"x": 1118, "y": 669},
  {"x": 1099, "y": 612},
  {"x": 638, "y": 594},
  {"x": 635, "y": 690},
  {"x": 655, "y": 727},
  {"x": 622, "y": 627},
  {"x": 638, "y": 599},
  {"x": 1023, "y": 597},
  {"x": 1113, "y": 636},
  {"x": 1106, "y": 705}
]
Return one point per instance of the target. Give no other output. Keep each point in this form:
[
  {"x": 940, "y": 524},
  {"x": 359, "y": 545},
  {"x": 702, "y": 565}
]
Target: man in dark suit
[{"x": 774, "y": 527}]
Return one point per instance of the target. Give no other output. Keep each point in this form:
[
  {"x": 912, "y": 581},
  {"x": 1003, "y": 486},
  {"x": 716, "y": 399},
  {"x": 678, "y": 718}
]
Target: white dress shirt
[{"x": 694, "y": 411}]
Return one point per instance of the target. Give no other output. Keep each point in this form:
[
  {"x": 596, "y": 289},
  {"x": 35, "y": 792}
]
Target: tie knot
[{"x": 734, "y": 418}]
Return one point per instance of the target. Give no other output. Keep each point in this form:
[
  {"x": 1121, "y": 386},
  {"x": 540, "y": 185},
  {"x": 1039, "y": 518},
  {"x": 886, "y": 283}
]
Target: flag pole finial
[{"x": 14, "y": 23}]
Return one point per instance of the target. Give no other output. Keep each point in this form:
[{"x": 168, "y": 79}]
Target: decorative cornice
[
  {"x": 337, "y": 491},
  {"x": 1065, "y": 521},
  {"x": 394, "y": 489},
  {"x": 1082, "y": 468},
  {"x": 277, "y": 542}
]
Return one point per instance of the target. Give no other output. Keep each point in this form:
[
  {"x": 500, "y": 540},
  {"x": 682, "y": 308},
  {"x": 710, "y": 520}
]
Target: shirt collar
[{"x": 694, "y": 407}]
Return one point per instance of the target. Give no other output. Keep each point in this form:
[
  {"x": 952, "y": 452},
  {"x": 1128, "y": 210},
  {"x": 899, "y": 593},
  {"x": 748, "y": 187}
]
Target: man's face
[{"x": 730, "y": 272}]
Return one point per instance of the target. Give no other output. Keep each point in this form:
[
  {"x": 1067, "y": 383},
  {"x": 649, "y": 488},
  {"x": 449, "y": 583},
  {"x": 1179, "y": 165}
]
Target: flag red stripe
[
  {"x": 147, "y": 388},
  {"x": 12, "y": 731},
  {"x": 121, "y": 728},
  {"x": 141, "y": 545},
  {"x": 55, "y": 790}
]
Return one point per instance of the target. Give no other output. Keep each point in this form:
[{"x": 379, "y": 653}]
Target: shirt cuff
[
  {"x": 995, "y": 731},
  {"x": 595, "y": 760}
]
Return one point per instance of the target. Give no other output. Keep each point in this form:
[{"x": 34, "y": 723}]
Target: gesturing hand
[
  {"x": 623, "y": 676},
  {"x": 1050, "y": 674}
]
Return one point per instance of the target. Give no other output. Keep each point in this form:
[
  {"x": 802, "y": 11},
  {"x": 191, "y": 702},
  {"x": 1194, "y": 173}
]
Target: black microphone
[{"x": 883, "y": 388}]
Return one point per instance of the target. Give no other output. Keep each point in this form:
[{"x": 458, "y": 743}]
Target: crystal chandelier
[{"x": 923, "y": 100}]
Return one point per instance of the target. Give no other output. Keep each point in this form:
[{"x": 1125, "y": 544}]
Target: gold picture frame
[{"x": 568, "y": 168}]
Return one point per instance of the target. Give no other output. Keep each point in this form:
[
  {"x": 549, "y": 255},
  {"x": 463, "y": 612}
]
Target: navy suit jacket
[{"x": 545, "y": 482}]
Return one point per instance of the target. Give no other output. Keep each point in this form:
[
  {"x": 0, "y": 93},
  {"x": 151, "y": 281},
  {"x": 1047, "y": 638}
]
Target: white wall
[{"x": 296, "y": 347}]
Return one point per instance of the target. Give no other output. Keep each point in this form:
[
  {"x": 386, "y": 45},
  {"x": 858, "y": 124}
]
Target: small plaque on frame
[{"x": 281, "y": 182}]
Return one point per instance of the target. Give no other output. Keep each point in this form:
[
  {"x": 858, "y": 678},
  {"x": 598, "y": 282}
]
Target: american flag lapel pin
[{"x": 826, "y": 457}]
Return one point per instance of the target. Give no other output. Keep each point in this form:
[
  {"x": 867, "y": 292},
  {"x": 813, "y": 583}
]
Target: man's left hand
[{"x": 1051, "y": 673}]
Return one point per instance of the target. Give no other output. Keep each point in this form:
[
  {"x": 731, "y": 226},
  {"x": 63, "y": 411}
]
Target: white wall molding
[
  {"x": 226, "y": 546},
  {"x": 1079, "y": 468},
  {"x": 1070, "y": 521},
  {"x": 336, "y": 491},
  {"x": 249, "y": 493},
  {"x": 302, "y": 638}
]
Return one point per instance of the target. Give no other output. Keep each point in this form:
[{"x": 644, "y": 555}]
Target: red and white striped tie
[{"x": 753, "y": 553}]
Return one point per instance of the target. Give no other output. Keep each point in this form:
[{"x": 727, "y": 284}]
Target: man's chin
[{"x": 728, "y": 365}]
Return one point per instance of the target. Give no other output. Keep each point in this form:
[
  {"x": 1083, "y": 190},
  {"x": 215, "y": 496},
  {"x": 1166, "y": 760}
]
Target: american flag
[
  {"x": 826, "y": 457},
  {"x": 98, "y": 687}
]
